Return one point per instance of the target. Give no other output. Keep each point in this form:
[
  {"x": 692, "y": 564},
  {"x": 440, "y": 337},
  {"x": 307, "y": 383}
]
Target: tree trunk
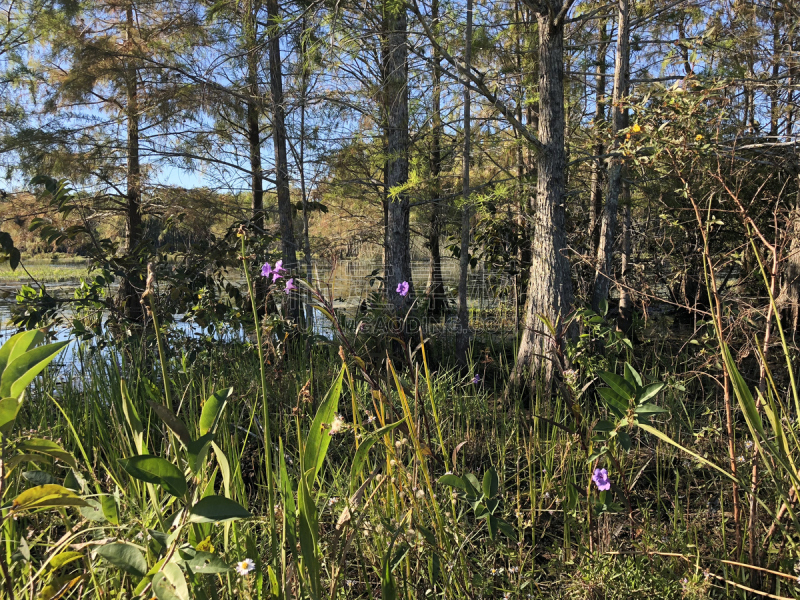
[
  {"x": 596, "y": 194},
  {"x": 288, "y": 244},
  {"x": 549, "y": 284},
  {"x": 130, "y": 287},
  {"x": 436, "y": 296},
  {"x": 462, "y": 337},
  {"x": 253, "y": 117},
  {"x": 302, "y": 169},
  {"x": 254, "y": 108},
  {"x": 398, "y": 250},
  {"x": 605, "y": 251},
  {"x": 625, "y": 318}
]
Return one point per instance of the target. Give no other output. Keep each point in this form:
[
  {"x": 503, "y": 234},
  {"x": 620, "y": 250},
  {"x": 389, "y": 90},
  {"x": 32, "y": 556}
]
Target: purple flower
[
  {"x": 290, "y": 286},
  {"x": 276, "y": 271},
  {"x": 476, "y": 379},
  {"x": 266, "y": 270},
  {"x": 402, "y": 288},
  {"x": 600, "y": 479}
]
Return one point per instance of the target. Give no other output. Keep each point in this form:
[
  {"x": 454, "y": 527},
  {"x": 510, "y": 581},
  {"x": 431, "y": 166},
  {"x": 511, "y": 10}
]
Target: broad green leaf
[
  {"x": 632, "y": 376},
  {"x": 39, "y": 477},
  {"x": 110, "y": 509},
  {"x": 507, "y": 529},
  {"x": 23, "y": 369},
  {"x": 649, "y": 409},
  {"x": 743, "y": 394},
  {"x": 46, "y": 496},
  {"x": 125, "y": 557},
  {"x": 197, "y": 451},
  {"x": 17, "y": 345},
  {"x": 93, "y": 511},
  {"x": 473, "y": 485},
  {"x": 212, "y": 409},
  {"x": 224, "y": 468},
  {"x": 318, "y": 438},
  {"x": 604, "y": 426},
  {"x": 173, "y": 422},
  {"x": 170, "y": 584},
  {"x": 49, "y": 448},
  {"x": 491, "y": 523},
  {"x": 75, "y": 482},
  {"x": 648, "y": 392},
  {"x": 613, "y": 401},
  {"x": 273, "y": 582},
  {"x": 624, "y": 441},
  {"x": 453, "y": 480},
  {"x": 59, "y": 560},
  {"x": 363, "y": 452},
  {"x": 213, "y": 509},
  {"x": 155, "y": 470},
  {"x": 206, "y": 562},
  {"x": 490, "y": 483},
  {"x": 9, "y": 408},
  {"x": 619, "y": 385}
]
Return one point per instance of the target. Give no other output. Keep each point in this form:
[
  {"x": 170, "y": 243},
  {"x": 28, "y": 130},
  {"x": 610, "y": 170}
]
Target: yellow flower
[
  {"x": 698, "y": 137},
  {"x": 636, "y": 128}
]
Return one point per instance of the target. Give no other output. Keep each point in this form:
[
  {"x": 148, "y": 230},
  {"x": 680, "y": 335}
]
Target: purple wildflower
[
  {"x": 476, "y": 379},
  {"x": 290, "y": 286},
  {"x": 266, "y": 270},
  {"x": 276, "y": 271},
  {"x": 600, "y": 479},
  {"x": 402, "y": 288}
]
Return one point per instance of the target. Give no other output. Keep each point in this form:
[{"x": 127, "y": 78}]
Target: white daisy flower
[{"x": 245, "y": 567}]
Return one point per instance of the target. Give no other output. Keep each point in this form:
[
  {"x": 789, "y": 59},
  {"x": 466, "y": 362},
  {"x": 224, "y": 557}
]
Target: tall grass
[{"x": 395, "y": 478}]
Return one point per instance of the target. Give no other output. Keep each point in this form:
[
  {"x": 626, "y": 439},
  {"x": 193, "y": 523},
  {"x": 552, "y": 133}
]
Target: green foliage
[{"x": 482, "y": 498}]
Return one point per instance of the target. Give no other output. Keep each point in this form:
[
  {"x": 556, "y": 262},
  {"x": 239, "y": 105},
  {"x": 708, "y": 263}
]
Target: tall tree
[
  {"x": 395, "y": 95},
  {"x": 436, "y": 293},
  {"x": 596, "y": 193},
  {"x": 252, "y": 50},
  {"x": 462, "y": 339},
  {"x": 605, "y": 250},
  {"x": 549, "y": 284},
  {"x": 101, "y": 72},
  {"x": 288, "y": 243}
]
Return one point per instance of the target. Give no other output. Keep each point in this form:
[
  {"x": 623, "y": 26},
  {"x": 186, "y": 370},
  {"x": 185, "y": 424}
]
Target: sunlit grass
[{"x": 63, "y": 269}]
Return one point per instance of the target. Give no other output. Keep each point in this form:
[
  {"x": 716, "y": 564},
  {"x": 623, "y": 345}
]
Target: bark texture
[
  {"x": 462, "y": 337},
  {"x": 398, "y": 239},
  {"x": 131, "y": 286},
  {"x": 253, "y": 117},
  {"x": 549, "y": 284},
  {"x": 288, "y": 243},
  {"x": 605, "y": 251},
  {"x": 437, "y": 302},
  {"x": 597, "y": 176}
]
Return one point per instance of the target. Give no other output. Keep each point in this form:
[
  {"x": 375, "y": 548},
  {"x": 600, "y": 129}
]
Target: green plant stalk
[
  {"x": 161, "y": 354},
  {"x": 6, "y": 551},
  {"x": 776, "y": 314},
  {"x": 267, "y": 433}
]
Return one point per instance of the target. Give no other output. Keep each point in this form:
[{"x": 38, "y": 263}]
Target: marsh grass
[
  {"x": 391, "y": 525},
  {"x": 62, "y": 269}
]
